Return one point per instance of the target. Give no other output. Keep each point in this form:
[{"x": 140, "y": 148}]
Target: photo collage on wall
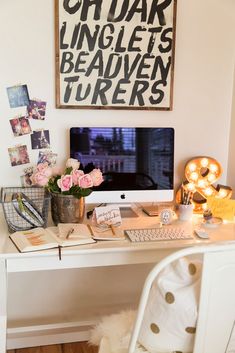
[{"x": 18, "y": 96}]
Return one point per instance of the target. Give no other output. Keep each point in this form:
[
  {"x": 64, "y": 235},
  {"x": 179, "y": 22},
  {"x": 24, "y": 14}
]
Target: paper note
[
  {"x": 223, "y": 208},
  {"x": 108, "y": 215}
]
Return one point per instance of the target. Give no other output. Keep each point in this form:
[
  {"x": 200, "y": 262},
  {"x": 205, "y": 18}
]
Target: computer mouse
[{"x": 201, "y": 233}]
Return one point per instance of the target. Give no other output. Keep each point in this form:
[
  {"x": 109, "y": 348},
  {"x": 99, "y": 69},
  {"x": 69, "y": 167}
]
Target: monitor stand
[{"x": 127, "y": 212}]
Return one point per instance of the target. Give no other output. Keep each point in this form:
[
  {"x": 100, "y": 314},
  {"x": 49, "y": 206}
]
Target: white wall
[
  {"x": 202, "y": 85},
  {"x": 231, "y": 163}
]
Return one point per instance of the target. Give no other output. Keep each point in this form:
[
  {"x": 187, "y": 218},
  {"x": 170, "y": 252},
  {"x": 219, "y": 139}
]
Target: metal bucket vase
[{"x": 67, "y": 209}]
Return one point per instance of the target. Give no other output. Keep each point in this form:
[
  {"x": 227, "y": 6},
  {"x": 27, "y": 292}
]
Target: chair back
[{"x": 215, "y": 332}]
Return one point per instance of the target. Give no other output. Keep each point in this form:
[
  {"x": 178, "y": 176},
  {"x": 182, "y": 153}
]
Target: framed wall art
[{"x": 115, "y": 54}]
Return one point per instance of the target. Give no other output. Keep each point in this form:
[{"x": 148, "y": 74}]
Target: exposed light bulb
[
  {"x": 223, "y": 193},
  {"x": 208, "y": 191},
  {"x": 194, "y": 176},
  {"x": 190, "y": 186},
  {"x": 202, "y": 183},
  {"x": 211, "y": 178},
  {"x": 213, "y": 168},
  {"x": 192, "y": 167},
  {"x": 204, "y": 162}
]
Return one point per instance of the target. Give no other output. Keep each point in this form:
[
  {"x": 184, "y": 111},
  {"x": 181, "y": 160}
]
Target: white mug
[{"x": 185, "y": 212}]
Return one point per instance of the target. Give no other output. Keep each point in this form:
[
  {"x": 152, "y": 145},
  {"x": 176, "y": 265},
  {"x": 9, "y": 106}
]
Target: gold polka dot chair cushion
[{"x": 170, "y": 318}]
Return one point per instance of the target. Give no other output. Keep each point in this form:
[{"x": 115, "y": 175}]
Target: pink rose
[
  {"x": 76, "y": 174},
  {"x": 85, "y": 181},
  {"x": 65, "y": 182},
  {"x": 39, "y": 179},
  {"x": 96, "y": 177}
]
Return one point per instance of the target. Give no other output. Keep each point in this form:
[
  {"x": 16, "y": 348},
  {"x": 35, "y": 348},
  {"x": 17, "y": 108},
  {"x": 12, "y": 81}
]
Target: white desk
[{"x": 102, "y": 254}]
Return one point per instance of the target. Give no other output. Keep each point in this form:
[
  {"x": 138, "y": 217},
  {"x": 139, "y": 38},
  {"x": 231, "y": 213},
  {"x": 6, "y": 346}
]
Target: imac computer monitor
[{"x": 137, "y": 163}]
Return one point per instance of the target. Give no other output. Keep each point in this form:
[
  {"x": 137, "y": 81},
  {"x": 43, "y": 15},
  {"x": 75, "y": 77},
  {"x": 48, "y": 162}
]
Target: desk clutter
[
  {"x": 62, "y": 235},
  {"x": 106, "y": 224},
  {"x": 26, "y": 211}
]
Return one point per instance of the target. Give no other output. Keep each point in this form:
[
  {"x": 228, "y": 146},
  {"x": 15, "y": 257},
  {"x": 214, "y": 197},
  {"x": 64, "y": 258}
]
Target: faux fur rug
[{"x": 112, "y": 334}]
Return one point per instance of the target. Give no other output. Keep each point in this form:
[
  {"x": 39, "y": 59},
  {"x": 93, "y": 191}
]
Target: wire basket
[{"x": 36, "y": 196}]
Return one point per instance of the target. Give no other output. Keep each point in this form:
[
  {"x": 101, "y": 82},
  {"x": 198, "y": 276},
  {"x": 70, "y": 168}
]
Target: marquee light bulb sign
[{"x": 201, "y": 173}]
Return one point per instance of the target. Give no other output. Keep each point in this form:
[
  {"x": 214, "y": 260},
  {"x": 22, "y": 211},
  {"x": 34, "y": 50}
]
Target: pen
[
  {"x": 182, "y": 193},
  {"x": 188, "y": 199},
  {"x": 90, "y": 229},
  {"x": 112, "y": 229},
  {"x": 69, "y": 232}
]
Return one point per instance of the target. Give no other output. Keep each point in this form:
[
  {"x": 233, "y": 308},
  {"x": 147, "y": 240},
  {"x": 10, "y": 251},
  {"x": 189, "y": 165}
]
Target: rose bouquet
[{"x": 71, "y": 181}]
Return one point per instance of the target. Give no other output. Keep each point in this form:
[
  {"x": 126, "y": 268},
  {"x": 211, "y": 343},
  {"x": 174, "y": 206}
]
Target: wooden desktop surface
[
  {"x": 223, "y": 232},
  {"x": 116, "y": 252}
]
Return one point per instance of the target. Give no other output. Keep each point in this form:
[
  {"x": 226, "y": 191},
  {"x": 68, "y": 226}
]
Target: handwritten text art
[{"x": 115, "y": 53}]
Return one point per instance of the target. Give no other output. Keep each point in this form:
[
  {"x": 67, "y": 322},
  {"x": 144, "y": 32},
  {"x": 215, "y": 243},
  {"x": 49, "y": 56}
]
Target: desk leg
[{"x": 3, "y": 306}]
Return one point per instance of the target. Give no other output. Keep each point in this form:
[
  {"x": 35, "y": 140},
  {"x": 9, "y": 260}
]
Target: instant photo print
[
  {"x": 18, "y": 96},
  {"x": 26, "y": 178},
  {"x": 47, "y": 157},
  {"x": 36, "y": 109},
  {"x": 40, "y": 139},
  {"x": 18, "y": 155},
  {"x": 20, "y": 126}
]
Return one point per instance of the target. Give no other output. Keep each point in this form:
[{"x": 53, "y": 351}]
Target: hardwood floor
[{"x": 77, "y": 347}]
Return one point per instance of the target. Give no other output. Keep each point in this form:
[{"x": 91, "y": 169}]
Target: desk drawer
[{"x": 95, "y": 259}]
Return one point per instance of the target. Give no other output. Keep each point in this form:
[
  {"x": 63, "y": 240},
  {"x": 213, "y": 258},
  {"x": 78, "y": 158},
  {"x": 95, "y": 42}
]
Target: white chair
[{"x": 216, "y": 313}]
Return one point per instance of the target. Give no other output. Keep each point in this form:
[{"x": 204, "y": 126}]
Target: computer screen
[{"x": 137, "y": 163}]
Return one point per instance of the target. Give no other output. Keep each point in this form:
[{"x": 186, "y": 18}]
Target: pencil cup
[{"x": 185, "y": 212}]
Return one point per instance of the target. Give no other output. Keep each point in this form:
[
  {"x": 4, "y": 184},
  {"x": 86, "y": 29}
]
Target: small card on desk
[
  {"x": 110, "y": 233},
  {"x": 106, "y": 223},
  {"x": 107, "y": 215}
]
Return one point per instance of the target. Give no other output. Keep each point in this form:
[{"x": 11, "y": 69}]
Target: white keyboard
[{"x": 157, "y": 234}]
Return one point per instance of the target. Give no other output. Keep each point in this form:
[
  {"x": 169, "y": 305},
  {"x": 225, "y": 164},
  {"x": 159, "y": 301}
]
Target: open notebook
[
  {"x": 52, "y": 237},
  {"x": 65, "y": 234}
]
